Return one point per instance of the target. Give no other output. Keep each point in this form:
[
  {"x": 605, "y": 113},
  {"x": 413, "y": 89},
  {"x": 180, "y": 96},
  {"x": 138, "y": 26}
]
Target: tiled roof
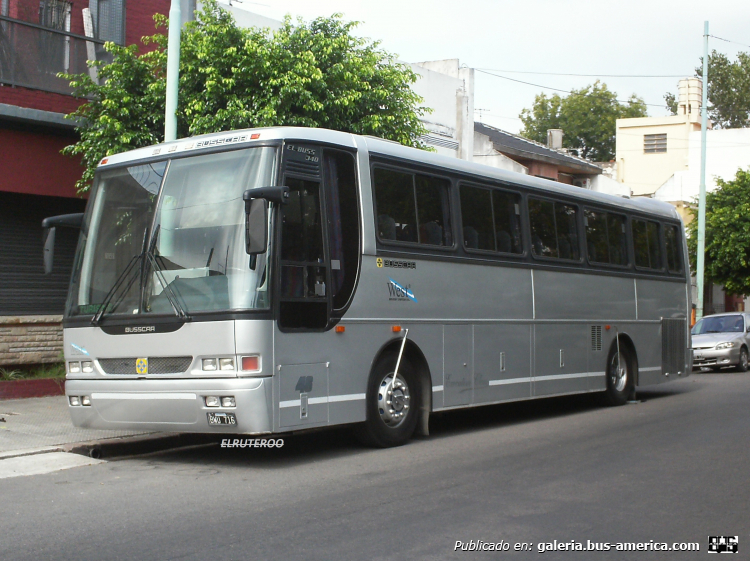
[{"x": 513, "y": 145}]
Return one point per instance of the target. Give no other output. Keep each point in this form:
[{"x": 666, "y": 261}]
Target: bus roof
[{"x": 374, "y": 145}]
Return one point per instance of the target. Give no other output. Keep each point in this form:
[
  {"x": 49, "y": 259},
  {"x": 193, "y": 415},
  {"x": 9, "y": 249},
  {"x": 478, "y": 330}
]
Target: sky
[{"x": 533, "y": 39}]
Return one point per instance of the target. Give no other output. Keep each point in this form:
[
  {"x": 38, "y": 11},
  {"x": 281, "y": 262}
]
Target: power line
[
  {"x": 728, "y": 41},
  {"x": 587, "y": 75},
  {"x": 662, "y": 105}
]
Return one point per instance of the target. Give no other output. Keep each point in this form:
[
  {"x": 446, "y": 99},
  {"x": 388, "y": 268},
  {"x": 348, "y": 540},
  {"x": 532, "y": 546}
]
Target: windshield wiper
[
  {"x": 113, "y": 291},
  {"x": 168, "y": 292}
]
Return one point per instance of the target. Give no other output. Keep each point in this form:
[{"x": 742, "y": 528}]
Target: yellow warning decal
[
  {"x": 380, "y": 263},
  {"x": 141, "y": 365}
]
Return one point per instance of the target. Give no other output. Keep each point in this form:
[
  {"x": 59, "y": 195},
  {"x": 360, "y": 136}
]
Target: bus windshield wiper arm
[
  {"x": 115, "y": 287},
  {"x": 168, "y": 292}
]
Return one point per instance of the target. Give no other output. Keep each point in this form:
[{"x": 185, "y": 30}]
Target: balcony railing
[{"x": 32, "y": 55}]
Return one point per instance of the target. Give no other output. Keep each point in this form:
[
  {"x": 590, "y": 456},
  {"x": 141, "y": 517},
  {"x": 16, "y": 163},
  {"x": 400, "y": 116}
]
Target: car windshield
[
  {"x": 719, "y": 324},
  {"x": 176, "y": 224}
]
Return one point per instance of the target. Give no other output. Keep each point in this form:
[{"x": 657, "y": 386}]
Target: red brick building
[{"x": 39, "y": 39}]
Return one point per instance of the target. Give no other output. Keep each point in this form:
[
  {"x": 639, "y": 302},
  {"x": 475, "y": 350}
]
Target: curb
[
  {"x": 137, "y": 445},
  {"x": 19, "y": 389}
]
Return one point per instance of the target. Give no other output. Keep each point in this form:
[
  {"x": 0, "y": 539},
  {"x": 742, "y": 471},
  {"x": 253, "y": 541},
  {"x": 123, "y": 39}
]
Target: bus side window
[
  {"x": 543, "y": 234},
  {"x": 397, "y": 213},
  {"x": 476, "y": 217},
  {"x": 606, "y": 241},
  {"x": 506, "y": 208},
  {"x": 343, "y": 224},
  {"x": 412, "y": 208},
  {"x": 674, "y": 261},
  {"x": 646, "y": 244}
]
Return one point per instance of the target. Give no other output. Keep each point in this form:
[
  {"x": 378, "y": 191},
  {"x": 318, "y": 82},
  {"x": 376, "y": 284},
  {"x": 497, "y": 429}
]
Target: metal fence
[{"x": 32, "y": 55}]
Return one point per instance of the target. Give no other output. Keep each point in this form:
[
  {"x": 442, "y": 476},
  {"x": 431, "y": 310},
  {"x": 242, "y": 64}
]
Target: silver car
[{"x": 722, "y": 340}]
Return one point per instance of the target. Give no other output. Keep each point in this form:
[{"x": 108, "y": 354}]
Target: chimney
[
  {"x": 554, "y": 139},
  {"x": 690, "y": 96}
]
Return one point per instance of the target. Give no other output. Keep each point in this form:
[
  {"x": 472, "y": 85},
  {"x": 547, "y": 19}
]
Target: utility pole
[
  {"x": 702, "y": 189},
  {"x": 173, "y": 71}
]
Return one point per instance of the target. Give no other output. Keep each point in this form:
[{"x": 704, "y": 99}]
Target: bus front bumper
[{"x": 172, "y": 405}]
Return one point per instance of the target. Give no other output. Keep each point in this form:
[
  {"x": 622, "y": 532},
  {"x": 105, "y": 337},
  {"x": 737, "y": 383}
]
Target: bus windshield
[{"x": 172, "y": 230}]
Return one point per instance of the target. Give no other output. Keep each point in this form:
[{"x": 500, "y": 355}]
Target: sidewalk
[{"x": 42, "y": 424}]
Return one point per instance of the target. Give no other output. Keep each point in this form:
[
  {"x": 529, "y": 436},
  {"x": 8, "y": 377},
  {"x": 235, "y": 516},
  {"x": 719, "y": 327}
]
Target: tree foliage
[
  {"x": 586, "y": 116},
  {"x": 728, "y": 90},
  {"x": 314, "y": 74},
  {"x": 727, "y": 257}
]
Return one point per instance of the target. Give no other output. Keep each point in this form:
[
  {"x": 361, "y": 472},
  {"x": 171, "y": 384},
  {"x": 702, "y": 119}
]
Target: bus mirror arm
[
  {"x": 49, "y": 224},
  {"x": 278, "y": 194}
]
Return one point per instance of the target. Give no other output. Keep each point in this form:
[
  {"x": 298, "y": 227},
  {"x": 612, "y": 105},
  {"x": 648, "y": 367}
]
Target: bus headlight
[
  {"x": 74, "y": 400},
  {"x": 74, "y": 367},
  {"x": 228, "y": 401},
  {"x": 212, "y": 401},
  {"x": 87, "y": 367},
  {"x": 226, "y": 364},
  {"x": 209, "y": 364},
  {"x": 86, "y": 400}
]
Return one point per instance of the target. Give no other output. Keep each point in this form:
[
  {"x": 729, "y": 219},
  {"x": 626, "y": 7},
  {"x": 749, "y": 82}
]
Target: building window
[{"x": 655, "y": 143}]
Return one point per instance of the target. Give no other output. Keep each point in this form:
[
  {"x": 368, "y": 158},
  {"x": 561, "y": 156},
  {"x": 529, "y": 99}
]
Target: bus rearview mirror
[
  {"x": 49, "y": 250},
  {"x": 256, "y": 226}
]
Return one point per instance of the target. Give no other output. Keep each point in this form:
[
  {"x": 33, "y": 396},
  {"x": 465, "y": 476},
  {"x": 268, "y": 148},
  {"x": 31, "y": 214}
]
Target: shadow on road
[{"x": 327, "y": 444}]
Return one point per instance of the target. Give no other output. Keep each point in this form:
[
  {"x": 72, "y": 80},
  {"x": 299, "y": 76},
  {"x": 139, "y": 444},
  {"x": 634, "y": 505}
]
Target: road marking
[{"x": 43, "y": 463}]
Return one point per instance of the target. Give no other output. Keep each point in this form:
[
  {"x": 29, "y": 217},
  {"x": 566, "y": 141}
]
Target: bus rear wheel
[
  {"x": 392, "y": 405},
  {"x": 620, "y": 377}
]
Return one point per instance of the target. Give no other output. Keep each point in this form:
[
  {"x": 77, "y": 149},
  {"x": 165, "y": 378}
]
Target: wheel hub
[
  {"x": 393, "y": 400},
  {"x": 619, "y": 372}
]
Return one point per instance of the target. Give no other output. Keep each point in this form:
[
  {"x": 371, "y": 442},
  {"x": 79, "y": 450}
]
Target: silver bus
[{"x": 274, "y": 280}]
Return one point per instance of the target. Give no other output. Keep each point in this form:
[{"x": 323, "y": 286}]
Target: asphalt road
[{"x": 674, "y": 468}]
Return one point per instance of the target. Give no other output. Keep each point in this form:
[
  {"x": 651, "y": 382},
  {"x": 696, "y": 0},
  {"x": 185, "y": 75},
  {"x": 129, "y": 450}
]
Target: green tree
[
  {"x": 727, "y": 234},
  {"x": 314, "y": 74},
  {"x": 586, "y": 116},
  {"x": 728, "y": 90}
]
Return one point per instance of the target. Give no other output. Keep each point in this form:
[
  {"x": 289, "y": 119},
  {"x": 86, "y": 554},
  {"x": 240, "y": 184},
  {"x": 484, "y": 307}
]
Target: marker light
[
  {"x": 87, "y": 367},
  {"x": 396, "y": 329},
  {"x": 340, "y": 329},
  {"x": 74, "y": 400},
  {"x": 251, "y": 363},
  {"x": 226, "y": 364},
  {"x": 74, "y": 367},
  {"x": 254, "y": 136},
  {"x": 86, "y": 400},
  {"x": 209, "y": 364},
  {"x": 228, "y": 401},
  {"x": 212, "y": 401}
]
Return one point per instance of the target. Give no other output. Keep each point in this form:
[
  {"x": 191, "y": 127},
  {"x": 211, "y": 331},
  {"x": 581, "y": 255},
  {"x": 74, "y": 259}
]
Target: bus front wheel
[
  {"x": 620, "y": 377},
  {"x": 392, "y": 405}
]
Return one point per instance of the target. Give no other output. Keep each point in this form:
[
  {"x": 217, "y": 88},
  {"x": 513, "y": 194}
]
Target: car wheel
[
  {"x": 620, "y": 377},
  {"x": 392, "y": 405},
  {"x": 743, "y": 364}
]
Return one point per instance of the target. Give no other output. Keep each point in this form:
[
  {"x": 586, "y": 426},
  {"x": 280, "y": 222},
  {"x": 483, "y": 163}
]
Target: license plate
[{"x": 222, "y": 419}]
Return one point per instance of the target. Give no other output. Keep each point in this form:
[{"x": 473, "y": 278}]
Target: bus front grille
[{"x": 156, "y": 365}]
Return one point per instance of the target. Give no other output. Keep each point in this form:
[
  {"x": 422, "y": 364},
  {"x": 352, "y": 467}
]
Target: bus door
[{"x": 303, "y": 301}]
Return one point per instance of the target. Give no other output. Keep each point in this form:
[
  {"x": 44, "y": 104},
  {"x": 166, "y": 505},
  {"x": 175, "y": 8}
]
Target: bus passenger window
[
  {"x": 605, "y": 238},
  {"x": 433, "y": 210},
  {"x": 567, "y": 231},
  {"x": 507, "y": 210},
  {"x": 542, "y": 221},
  {"x": 412, "y": 208},
  {"x": 476, "y": 215},
  {"x": 394, "y": 193},
  {"x": 674, "y": 261},
  {"x": 646, "y": 244}
]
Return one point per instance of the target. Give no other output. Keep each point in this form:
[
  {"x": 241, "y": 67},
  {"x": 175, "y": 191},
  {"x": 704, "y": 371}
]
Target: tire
[
  {"x": 743, "y": 365},
  {"x": 620, "y": 377},
  {"x": 391, "y": 424}
]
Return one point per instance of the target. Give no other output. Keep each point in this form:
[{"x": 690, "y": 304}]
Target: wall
[
  {"x": 644, "y": 173},
  {"x": 485, "y": 153},
  {"x": 30, "y": 339}
]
